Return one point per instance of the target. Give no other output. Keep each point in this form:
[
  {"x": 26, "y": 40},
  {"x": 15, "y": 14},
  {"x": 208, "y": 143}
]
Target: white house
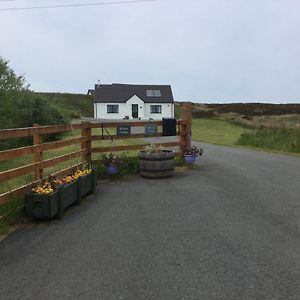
[{"x": 119, "y": 101}]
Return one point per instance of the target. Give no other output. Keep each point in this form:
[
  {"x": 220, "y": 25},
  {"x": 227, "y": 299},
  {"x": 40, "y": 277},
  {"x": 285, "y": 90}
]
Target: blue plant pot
[
  {"x": 111, "y": 169},
  {"x": 190, "y": 159}
]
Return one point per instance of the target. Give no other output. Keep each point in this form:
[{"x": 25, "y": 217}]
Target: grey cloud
[{"x": 230, "y": 50}]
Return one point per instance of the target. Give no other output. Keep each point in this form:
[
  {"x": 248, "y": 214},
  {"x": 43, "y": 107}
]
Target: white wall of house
[
  {"x": 100, "y": 111},
  {"x": 135, "y": 100},
  {"x": 125, "y": 109},
  {"x": 167, "y": 111}
]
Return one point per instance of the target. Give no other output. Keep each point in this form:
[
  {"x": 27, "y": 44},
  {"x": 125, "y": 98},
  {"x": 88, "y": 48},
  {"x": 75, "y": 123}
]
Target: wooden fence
[{"x": 85, "y": 140}]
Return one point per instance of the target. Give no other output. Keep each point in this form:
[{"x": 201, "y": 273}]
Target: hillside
[
  {"x": 272, "y": 127},
  {"x": 74, "y": 105},
  {"x": 244, "y": 109},
  {"x": 81, "y": 105}
]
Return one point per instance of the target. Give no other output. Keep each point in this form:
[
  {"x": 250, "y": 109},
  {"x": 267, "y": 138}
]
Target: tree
[
  {"x": 9, "y": 81},
  {"x": 20, "y": 107}
]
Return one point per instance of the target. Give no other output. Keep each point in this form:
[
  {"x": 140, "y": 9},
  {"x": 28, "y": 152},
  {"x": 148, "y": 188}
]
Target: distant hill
[
  {"x": 74, "y": 105},
  {"x": 244, "y": 109},
  {"x": 81, "y": 105}
]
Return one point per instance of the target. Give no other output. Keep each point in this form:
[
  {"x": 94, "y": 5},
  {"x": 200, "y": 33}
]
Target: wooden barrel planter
[{"x": 157, "y": 165}]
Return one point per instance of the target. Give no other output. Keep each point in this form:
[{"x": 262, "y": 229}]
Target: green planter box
[
  {"x": 86, "y": 184},
  {"x": 94, "y": 181},
  {"x": 67, "y": 195},
  {"x": 41, "y": 206}
]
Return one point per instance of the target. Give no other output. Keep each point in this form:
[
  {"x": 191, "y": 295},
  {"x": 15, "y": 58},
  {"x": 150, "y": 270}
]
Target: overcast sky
[{"x": 209, "y": 51}]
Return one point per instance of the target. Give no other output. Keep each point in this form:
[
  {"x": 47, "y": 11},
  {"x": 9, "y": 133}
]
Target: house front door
[{"x": 135, "y": 111}]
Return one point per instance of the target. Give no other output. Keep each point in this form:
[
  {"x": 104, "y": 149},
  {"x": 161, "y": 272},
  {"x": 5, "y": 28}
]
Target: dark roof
[
  {"x": 120, "y": 93},
  {"x": 91, "y": 92}
]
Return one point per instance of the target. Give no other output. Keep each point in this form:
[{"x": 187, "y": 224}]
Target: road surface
[{"x": 227, "y": 230}]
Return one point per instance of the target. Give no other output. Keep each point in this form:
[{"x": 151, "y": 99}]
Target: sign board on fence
[
  {"x": 123, "y": 130},
  {"x": 150, "y": 129}
]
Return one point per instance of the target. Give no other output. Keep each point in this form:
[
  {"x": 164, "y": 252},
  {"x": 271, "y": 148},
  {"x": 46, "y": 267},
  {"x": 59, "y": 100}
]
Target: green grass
[
  {"x": 10, "y": 213},
  {"x": 216, "y": 131},
  {"x": 223, "y": 132},
  {"x": 261, "y": 122},
  {"x": 282, "y": 140}
]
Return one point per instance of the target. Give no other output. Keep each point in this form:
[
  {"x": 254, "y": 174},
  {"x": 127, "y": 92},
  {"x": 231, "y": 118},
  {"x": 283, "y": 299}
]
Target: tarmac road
[{"x": 228, "y": 230}]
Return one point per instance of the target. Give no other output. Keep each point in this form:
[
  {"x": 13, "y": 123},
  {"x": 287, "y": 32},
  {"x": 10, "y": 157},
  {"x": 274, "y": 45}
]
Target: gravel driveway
[{"x": 228, "y": 230}]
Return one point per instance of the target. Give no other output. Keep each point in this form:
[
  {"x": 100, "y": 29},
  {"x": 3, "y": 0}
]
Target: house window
[
  {"x": 112, "y": 109},
  {"x": 155, "y": 109},
  {"x": 153, "y": 93}
]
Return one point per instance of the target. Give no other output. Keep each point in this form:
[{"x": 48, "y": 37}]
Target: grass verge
[
  {"x": 282, "y": 140},
  {"x": 11, "y": 213},
  {"x": 215, "y": 131}
]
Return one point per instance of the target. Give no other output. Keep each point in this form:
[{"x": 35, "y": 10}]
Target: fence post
[
  {"x": 186, "y": 114},
  {"x": 86, "y": 133},
  {"x": 37, "y": 154}
]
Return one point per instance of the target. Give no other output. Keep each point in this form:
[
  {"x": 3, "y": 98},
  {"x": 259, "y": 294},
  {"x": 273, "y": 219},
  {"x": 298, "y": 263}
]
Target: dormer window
[{"x": 153, "y": 93}]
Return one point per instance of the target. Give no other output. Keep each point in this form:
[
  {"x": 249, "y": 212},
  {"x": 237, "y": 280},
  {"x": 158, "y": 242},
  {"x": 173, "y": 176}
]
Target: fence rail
[
  {"x": 84, "y": 141},
  {"x": 40, "y": 130},
  {"x": 130, "y": 147},
  {"x": 17, "y": 152}
]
